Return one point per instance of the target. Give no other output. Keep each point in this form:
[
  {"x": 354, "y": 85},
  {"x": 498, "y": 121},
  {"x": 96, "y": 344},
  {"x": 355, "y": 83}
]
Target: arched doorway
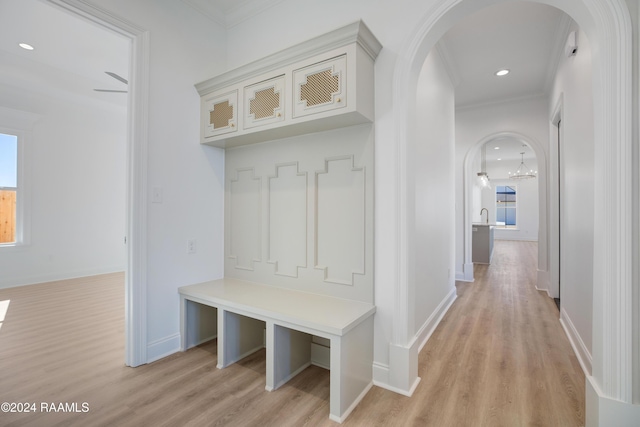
[
  {"x": 608, "y": 26},
  {"x": 469, "y": 174}
]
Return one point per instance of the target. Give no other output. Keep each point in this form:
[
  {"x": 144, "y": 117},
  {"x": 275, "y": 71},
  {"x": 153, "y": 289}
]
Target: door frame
[{"x": 136, "y": 180}]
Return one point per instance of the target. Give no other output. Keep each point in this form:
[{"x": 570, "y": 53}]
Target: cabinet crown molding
[{"x": 356, "y": 32}]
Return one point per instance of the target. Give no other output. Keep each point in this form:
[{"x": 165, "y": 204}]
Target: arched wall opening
[
  {"x": 608, "y": 26},
  {"x": 469, "y": 176}
]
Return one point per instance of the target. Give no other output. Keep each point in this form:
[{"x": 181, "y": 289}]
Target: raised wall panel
[
  {"x": 320, "y": 87},
  {"x": 288, "y": 220},
  {"x": 264, "y": 102},
  {"x": 340, "y": 220},
  {"x": 305, "y": 182},
  {"x": 220, "y": 114},
  {"x": 245, "y": 219}
]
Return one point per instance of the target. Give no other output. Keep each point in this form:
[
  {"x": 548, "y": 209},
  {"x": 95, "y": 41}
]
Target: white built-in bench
[{"x": 290, "y": 318}]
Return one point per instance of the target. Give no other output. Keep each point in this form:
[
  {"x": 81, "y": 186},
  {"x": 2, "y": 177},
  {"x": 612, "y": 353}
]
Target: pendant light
[
  {"x": 523, "y": 172},
  {"x": 483, "y": 177}
]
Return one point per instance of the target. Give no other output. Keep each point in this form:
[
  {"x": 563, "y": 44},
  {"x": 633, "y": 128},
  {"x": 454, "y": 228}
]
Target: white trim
[
  {"x": 554, "y": 231},
  {"x": 468, "y": 176},
  {"x": 542, "y": 283},
  {"x": 356, "y": 32},
  {"x": 579, "y": 348},
  {"x": 6, "y": 283},
  {"x": 612, "y": 274},
  {"x": 137, "y": 141},
  {"x": 23, "y": 185},
  {"x": 355, "y": 403},
  {"x": 381, "y": 377},
  {"x": 602, "y": 411},
  {"x": 163, "y": 347},
  {"x": 608, "y": 25},
  {"x": 433, "y": 321}
]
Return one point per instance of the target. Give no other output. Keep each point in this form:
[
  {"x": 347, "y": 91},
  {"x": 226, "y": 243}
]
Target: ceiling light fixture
[
  {"x": 503, "y": 72},
  {"x": 496, "y": 148},
  {"x": 25, "y": 46},
  {"x": 483, "y": 177},
  {"x": 523, "y": 172}
]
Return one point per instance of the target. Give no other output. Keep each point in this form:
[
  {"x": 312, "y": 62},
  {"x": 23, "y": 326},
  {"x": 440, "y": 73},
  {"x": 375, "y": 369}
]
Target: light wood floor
[{"x": 498, "y": 358}]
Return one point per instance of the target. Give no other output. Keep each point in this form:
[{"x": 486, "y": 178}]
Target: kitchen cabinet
[{"x": 482, "y": 243}]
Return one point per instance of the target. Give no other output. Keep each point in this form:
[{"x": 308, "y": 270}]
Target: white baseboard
[
  {"x": 432, "y": 322},
  {"x": 387, "y": 386},
  {"x": 542, "y": 284},
  {"x": 44, "y": 278},
  {"x": 163, "y": 347},
  {"x": 467, "y": 274},
  {"x": 352, "y": 407},
  {"x": 380, "y": 374},
  {"x": 401, "y": 378},
  {"x": 579, "y": 348},
  {"x": 602, "y": 411}
]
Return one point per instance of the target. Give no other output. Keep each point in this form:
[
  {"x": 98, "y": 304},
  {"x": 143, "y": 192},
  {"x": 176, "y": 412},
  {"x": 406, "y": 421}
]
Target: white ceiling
[
  {"x": 508, "y": 153},
  {"x": 525, "y": 37},
  {"x": 70, "y": 56}
]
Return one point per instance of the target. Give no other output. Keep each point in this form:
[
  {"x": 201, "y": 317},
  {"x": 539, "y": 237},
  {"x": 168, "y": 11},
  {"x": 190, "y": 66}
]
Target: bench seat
[{"x": 247, "y": 311}]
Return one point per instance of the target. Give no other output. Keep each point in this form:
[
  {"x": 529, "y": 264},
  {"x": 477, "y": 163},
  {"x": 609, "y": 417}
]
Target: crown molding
[{"x": 356, "y": 32}]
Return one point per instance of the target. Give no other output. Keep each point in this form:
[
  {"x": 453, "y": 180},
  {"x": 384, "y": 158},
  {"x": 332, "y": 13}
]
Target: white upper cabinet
[
  {"x": 220, "y": 114},
  {"x": 320, "y": 87},
  {"x": 321, "y": 84},
  {"x": 264, "y": 103}
]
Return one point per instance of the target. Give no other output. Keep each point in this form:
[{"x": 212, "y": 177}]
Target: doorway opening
[{"x": 136, "y": 164}]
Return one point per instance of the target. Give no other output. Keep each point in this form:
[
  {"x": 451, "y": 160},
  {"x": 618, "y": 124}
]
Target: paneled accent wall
[
  {"x": 299, "y": 213},
  {"x": 244, "y": 218}
]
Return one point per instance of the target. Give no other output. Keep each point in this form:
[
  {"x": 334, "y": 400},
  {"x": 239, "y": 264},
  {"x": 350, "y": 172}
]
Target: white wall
[
  {"x": 573, "y": 85},
  {"x": 634, "y": 8},
  {"x": 433, "y": 159},
  {"x": 474, "y": 126},
  {"x": 185, "y": 48},
  {"x": 75, "y": 167}
]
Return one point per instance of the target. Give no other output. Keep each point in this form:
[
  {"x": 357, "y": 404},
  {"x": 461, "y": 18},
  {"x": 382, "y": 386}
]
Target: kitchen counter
[{"x": 482, "y": 243}]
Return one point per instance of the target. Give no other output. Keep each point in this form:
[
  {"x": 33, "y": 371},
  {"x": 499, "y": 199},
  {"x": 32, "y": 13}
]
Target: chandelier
[{"x": 523, "y": 172}]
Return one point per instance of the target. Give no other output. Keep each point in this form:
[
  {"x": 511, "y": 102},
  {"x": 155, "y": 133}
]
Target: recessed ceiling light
[
  {"x": 502, "y": 72},
  {"x": 499, "y": 159},
  {"x": 496, "y": 148},
  {"x": 25, "y": 46}
]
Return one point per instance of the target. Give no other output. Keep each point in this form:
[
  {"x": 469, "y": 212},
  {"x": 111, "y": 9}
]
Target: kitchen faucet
[{"x": 485, "y": 209}]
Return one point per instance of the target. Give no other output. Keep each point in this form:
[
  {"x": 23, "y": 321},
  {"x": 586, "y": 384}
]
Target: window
[
  {"x": 506, "y": 206},
  {"x": 9, "y": 192}
]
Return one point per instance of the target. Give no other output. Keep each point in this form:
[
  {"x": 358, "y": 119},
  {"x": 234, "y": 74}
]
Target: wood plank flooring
[{"x": 498, "y": 358}]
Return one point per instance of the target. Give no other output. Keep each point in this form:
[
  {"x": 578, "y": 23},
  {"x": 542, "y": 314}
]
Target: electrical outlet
[{"x": 191, "y": 246}]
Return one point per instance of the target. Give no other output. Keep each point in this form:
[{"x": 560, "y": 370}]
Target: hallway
[
  {"x": 509, "y": 341},
  {"x": 498, "y": 358}
]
